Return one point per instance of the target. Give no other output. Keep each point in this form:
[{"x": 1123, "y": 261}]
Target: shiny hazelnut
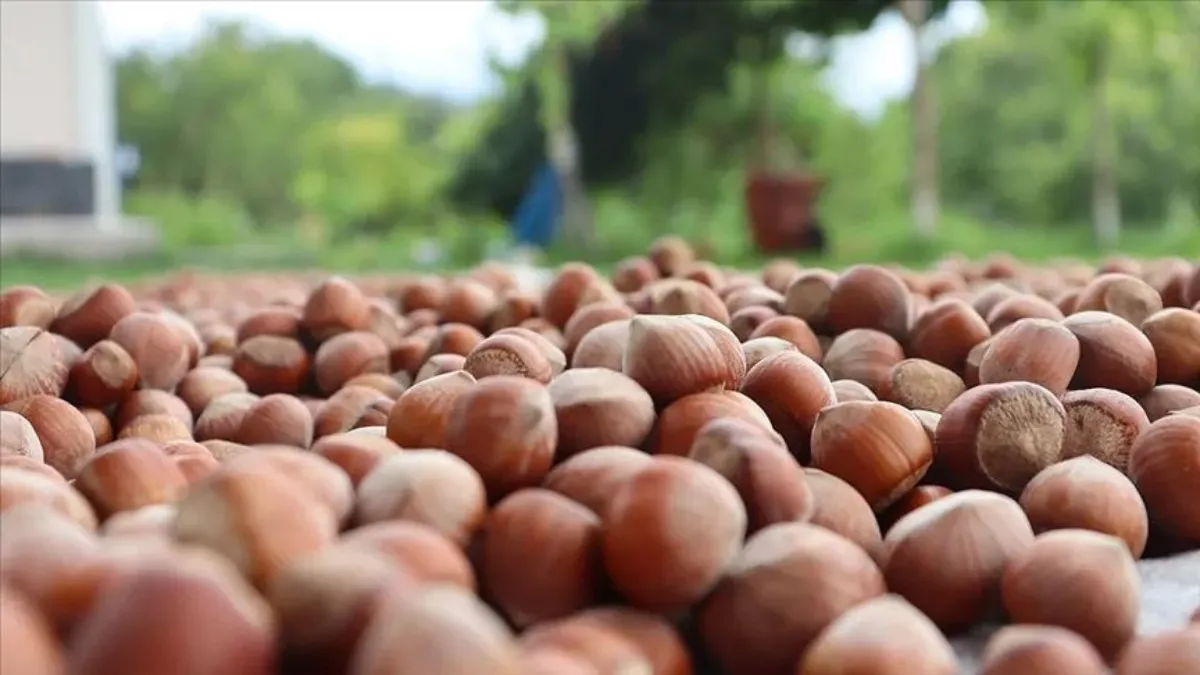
[
  {"x": 1162, "y": 464},
  {"x": 1001, "y": 435},
  {"x": 104, "y": 375},
  {"x": 276, "y": 321},
  {"x": 679, "y": 422},
  {"x": 420, "y": 417},
  {"x": 868, "y": 296},
  {"x": 27, "y": 306},
  {"x": 335, "y": 306},
  {"x": 768, "y": 479},
  {"x": 789, "y": 583},
  {"x": 204, "y": 384},
  {"x": 350, "y": 407},
  {"x": 597, "y": 407},
  {"x": 1010, "y": 358},
  {"x": 657, "y": 557},
  {"x": 793, "y": 330},
  {"x": 355, "y": 454},
  {"x": 603, "y": 347},
  {"x": 346, "y": 355},
  {"x": 948, "y": 557},
  {"x": 879, "y": 448},
  {"x": 223, "y": 416},
  {"x": 1013, "y": 309},
  {"x": 1175, "y": 335},
  {"x": 271, "y": 365},
  {"x": 592, "y": 477},
  {"x": 157, "y": 347},
  {"x": 863, "y": 355},
  {"x": 89, "y": 316},
  {"x": 1085, "y": 493},
  {"x": 1113, "y": 354},
  {"x": 946, "y": 332},
  {"x": 540, "y": 556},
  {"x": 631, "y": 274},
  {"x": 151, "y": 402},
  {"x": 849, "y": 390},
  {"x": 588, "y": 318},
  {"x": 508, "y": 355},
  {"x": 1079, "y": 580},
  {"x": 423, "y": 552},
  {"x": 791, "y": 389},
  {"x": 276, "y": 419}
]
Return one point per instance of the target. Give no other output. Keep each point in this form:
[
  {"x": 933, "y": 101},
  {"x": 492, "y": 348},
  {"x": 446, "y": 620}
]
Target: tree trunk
[
  {"x": 562, "y": 146},
  {"x": 925, "y": 199},
  {"x": 1106, "y": 198}
]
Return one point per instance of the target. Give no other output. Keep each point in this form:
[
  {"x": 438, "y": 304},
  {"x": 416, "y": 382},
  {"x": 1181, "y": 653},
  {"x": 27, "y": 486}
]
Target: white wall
[{"x": 57, "y": 98}]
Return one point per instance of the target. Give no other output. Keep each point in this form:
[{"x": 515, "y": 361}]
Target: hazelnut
[
  {"x": 1085, "y": 493},
  {"x": 671, "y": 356},
  {"x": 1040, "y": 650},
  {"x": 863, "y": 355},
  {"x": 1010, "y": 358},
  {"x": 793, "y": 330},
  {"x": 421, "y": 416},
  {"x": 223, "y": 417},
  {"x": 1001, "y": 435},
  {"x": 335, "y": 306},
  {"x": 21, "y": 486},
  {"x": 849, "y": 390},
  {"x": 746, "y": 320},
  {"x": 104, "y": 375},
  {"x": 39, "y": 546},
  {"x": 597, "y": 407},
  {"x": 791, "y": 389},
  {"x": 512, "y": 308},
  {"x": 65, "y": 434},
  {"x": 868, "y": 296},
  {"x": 19, "y": 438},
  {"x": 631, "y": 274},
  {"x": 807, "y": 297},
  {"x": 1010, "y": 310},
  {"x": 540, "y": 556},
  {"x": 351, "y": 407},
  {"x": 343, "y": 356},
  {"x": 421, "y": 293},
  {"x": 355, "y": 454},
  {"x": 1168, "y": 398},
  {"x": 276, "y": 419},
  {"x": 468, "y": 302},
  {"x": 441, "y": 629},
  {"x": 151, "y": 402},
  {"x": 588, "y": 318},
  {"x": 32, "y": 362},
  {"x": 423, "y": 552},
  {"x": 912, "y": 500},
  {"x": 970, "y": 369},
  {"x": 102, "y": 429},
  {"x": 946, "y": 332},
  {"x": 679, "y": 422},
  {"x": 89, "y": 316},
  {"x": 154, "y": 521},
  {"x": 1167, "y": 653},
  {"x": 1113, "y": 354},
  {"x": 323, "y": 602},
  {"x": 671, "y": 254},
  {"x": 31, "y": 648},
  {"x": 603, "y": 347},
  {"x": 839, "y": 508},
  {"x": 918, "y": 384},
  {"x": 1162, "y": 464},
  {"x": 650, "y": 634},
  {"x": 562, "y": 295},
  {"x": 409, "y": 354},
  {"x": 205, "y": 384},
  {"x": 948, "y": 557},
  {"x": 320, "y": 478},
  {"x": 157, "y": 428},
  {"x": 592, "y": 477},
  {"x": 579, "y": 644},
  {"x": 271, "y": 365},
  {"x": 276, "y": 321},
  {"x": 430, "y": 487},
  {"x": 883, "y": 635},
  {"x": 1123, "y": 295},
  {"x": 508, "y": 354},
  {"x": 439, "y": 364},
  {"x": 1079, "y": 580},
  {"x": 158, "y": 348},
  {"x": 1175, "y": 335},
  {"x": 144, "y": 622},
  {"x": 26, "y": 306},
  {"x": 256, "y": 517},
  {"x": 769, "y": 480},
  {"x": 506, "y": 429},
  {"x": 670, "y": 532},
  {"x": 789, "y": 583},
  {"x": 1102, "y": 423},
  {"x": 879, "y": 448}
]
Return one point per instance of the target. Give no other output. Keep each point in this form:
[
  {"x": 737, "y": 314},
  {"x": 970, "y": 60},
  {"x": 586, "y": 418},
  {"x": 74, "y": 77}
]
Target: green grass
[{"x": 885, "y": 241}]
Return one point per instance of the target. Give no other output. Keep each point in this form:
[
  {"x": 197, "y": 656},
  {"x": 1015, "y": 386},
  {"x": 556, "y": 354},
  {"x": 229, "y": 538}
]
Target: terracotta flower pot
[{"x": 781, "y": 210}]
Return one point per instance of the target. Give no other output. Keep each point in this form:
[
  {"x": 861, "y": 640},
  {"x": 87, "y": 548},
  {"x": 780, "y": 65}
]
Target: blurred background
[{"x": 368, "y": 136}]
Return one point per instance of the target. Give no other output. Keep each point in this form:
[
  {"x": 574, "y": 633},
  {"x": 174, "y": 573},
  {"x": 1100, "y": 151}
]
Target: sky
[{"x": 443, "y": 46}]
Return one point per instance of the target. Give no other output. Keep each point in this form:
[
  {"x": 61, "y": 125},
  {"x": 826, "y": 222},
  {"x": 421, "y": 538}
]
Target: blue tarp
[{"x": 538, "y": 215}]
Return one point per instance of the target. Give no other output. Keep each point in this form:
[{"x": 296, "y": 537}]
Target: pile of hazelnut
[{"x": 679, "y": 469}]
